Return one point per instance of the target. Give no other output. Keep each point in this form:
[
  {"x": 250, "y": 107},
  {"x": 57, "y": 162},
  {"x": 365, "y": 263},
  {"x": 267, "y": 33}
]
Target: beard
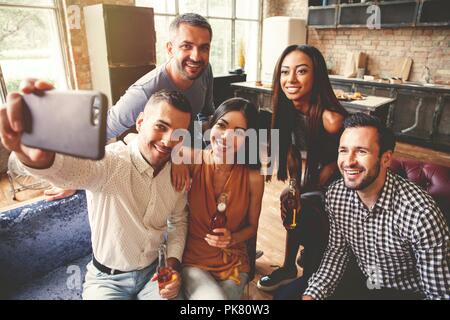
[
  {"x": 371, "y": 176},
  {"x": 181, "y": 68}
]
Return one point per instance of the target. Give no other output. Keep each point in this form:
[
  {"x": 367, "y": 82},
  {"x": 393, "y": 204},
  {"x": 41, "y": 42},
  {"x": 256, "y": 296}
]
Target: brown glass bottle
[
  {"x": 290, "y": 203},
  {"x": 219, "y": 219},
  {"x": 164, "y": 272}
]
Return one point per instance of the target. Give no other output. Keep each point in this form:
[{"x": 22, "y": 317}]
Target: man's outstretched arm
[{"x": 63, "y": 171}]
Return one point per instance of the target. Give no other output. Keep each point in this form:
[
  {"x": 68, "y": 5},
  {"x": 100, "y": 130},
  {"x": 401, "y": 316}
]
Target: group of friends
[{"x": 365, "y": 231}]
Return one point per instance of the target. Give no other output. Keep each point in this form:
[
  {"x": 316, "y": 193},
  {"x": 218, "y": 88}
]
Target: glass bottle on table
[
  {"x": 219, "y": 219},
  {"x": 290, "y": 204}
]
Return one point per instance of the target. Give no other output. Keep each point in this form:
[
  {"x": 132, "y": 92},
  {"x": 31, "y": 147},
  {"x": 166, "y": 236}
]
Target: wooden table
[
  {"x": 378, "y": 106},
  {"x": 370, "y": 104}
]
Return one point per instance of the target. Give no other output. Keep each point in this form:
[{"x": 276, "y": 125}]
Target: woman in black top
[{"x": 309, "y": 119}]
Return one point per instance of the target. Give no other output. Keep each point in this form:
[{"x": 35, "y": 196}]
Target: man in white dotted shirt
[
  {"x": 394, "y": 229},
  {"x": 131, "y": 201}
]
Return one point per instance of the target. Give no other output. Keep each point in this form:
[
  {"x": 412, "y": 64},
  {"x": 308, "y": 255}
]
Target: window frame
[
  {"x": 233, "y": 20},
  {"x": 58, "y": 12},
  {"x": 3, "y": 90}
]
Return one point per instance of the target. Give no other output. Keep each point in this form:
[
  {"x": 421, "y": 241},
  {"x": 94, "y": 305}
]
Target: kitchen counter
[
  {"x": 252, "y": 85},
  {"x": 417, "y": 114},
  {"x": 370, "y": 103},
  {"x": 406, "y": 85},
  {"x": 262, "y": 98}
]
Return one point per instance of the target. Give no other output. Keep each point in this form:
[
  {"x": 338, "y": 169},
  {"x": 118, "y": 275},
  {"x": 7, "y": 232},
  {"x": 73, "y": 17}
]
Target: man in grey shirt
[{"x": 187, "y": 71}]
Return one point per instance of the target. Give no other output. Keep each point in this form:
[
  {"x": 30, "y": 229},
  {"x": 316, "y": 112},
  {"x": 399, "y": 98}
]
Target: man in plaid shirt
[{"x": 394, "y": 229}]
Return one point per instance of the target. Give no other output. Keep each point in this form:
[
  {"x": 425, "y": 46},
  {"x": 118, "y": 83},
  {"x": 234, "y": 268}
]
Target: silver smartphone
[{"x": 68, "y": 122}]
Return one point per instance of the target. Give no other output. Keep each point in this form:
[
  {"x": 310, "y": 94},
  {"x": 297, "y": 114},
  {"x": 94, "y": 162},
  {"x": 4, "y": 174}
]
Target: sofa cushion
[{"x": 435, "y": 179}]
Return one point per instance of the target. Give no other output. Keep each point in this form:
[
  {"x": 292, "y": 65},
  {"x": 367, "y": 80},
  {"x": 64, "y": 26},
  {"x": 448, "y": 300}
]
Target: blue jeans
[{"x": 126, "y": 286}]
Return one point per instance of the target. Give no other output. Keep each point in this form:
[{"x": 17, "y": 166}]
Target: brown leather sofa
[{"x": 435, "y": 179}]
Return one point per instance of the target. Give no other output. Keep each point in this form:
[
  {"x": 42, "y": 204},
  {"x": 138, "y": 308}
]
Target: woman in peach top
[{"x": 216, "y": 266}]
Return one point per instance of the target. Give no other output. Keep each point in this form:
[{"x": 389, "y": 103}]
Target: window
[
  {"x": 30, "y": 43},
  {"x": 236, "y": 28}
]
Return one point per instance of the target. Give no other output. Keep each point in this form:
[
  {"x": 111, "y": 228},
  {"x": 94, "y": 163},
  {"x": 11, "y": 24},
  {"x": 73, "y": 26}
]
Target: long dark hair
[
  {"x": 250, "y": 113},
  {"x": 283, "y": 117}
]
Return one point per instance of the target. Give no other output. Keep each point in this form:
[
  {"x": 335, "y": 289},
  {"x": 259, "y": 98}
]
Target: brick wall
[
  {"x": 78, "y": 43},
  {"x": 292, "y": 8},
  {"x": 426, "y": 46}
]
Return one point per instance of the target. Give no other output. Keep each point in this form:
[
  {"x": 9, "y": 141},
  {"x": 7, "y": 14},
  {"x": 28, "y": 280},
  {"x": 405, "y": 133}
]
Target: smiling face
[
  {"x": 156, "y": 126},
  {"x": 189, "y": 48},
  {"x": 359, "y": 161},
  {"x": 227, "y": 136},
  {"x": 297, "y": 76}
]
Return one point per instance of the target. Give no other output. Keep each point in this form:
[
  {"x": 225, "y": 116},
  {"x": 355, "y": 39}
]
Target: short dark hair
[
  {"x": 174, "y": 98},
  {"x": 192, "y": 19},
  {"x": 386, "y": 137}
]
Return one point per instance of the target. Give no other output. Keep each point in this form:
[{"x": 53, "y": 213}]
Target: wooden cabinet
[
  {"x": 260, "y": 96},
  {"x": 413, "y": 114},
  {"x": 419, "y": 115},
  {"x": 222, "y": 89},
  {"x": 346, "y": 87},
  {"x": 434, "y": 13},
  {"x": 121, "y": 45},
  {"x": 323, "y": 17},
  {"x": 441, "y": 121},
  {"x": 423, "y": 118},
  {"x": 372, "y": 90},
  {"x": 352, "y": 15},
  {"x": 398, "y": 13}
]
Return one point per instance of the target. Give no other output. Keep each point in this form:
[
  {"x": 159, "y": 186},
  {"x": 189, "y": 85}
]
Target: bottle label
[{"x": 221, "y": 206}]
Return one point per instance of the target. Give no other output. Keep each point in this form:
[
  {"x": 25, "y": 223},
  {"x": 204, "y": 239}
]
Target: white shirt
[{"x": 129, "y": 209}]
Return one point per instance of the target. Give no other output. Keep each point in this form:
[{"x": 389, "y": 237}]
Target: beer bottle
[
  {"x": 164, "y": 271},
  {"x": 290, "y": 203},
  {"x": 219, "y": 219}
]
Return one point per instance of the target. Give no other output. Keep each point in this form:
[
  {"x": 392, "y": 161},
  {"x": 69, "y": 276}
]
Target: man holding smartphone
[{"x": 131, "y": 201}]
